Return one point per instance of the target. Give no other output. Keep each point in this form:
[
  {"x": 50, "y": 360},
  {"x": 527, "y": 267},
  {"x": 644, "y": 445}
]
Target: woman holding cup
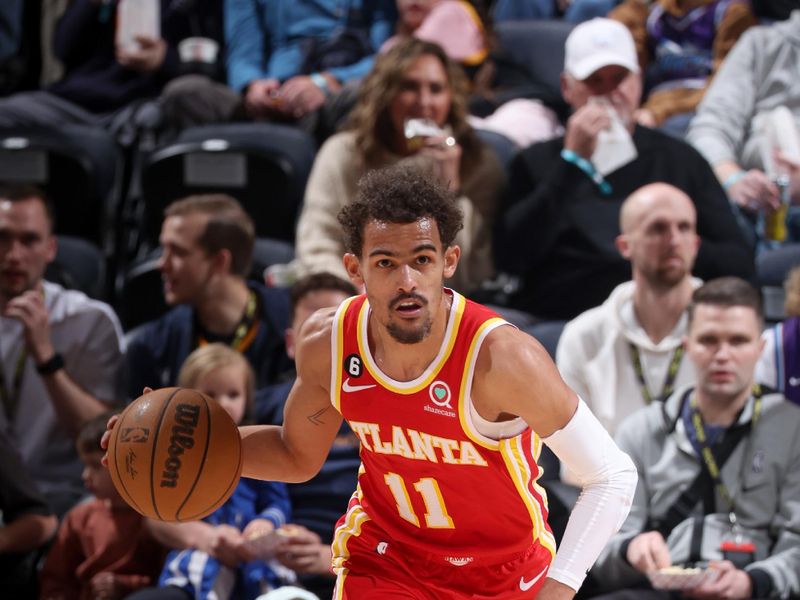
[{"x": 412, "y": 108}]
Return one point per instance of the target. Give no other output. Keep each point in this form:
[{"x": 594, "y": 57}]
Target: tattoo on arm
[{"x": 316, "y": 418}]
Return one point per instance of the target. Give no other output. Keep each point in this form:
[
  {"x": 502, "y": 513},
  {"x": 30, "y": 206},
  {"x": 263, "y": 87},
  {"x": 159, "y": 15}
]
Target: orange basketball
[{"x": 175, "y": 455}]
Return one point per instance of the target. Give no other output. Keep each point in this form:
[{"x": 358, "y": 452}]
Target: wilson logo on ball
[
  {"x": 182, "y": 439},
  {"x": 186, "y": 457}
]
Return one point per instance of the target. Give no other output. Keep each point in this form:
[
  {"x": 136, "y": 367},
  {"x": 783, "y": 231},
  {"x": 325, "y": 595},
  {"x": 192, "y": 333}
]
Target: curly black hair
[{"x": 399, "y": 194}]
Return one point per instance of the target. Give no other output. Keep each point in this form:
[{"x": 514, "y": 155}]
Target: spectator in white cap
[
  {"x": 600, "y": 65},
  {"x": 557, "y": 228}
]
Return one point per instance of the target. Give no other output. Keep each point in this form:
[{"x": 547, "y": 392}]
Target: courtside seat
[
  {"x": 263, "y": 165},
  {"x": 80, "y": 169},
  {"x": 140, "y": 292},
  {"x": 529, "y": 60},
  {"x": 79, "y": 265}
]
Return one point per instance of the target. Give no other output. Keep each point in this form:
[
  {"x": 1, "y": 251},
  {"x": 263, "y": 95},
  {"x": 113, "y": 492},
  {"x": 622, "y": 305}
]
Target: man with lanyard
[
  {"x": 719, "y": 467},
  {"x": 207, "y": 243},
  {"x": 626, "y": 353}
]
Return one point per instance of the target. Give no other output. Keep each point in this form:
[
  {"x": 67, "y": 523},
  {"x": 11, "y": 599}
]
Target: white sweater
[{"x": 594, "y": 358}]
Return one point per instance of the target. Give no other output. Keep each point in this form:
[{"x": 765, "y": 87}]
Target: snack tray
[{"x": 681, "y": 578}]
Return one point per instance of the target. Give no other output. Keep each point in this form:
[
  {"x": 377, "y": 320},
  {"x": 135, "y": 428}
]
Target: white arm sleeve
[{"x": 608, "y": 478}]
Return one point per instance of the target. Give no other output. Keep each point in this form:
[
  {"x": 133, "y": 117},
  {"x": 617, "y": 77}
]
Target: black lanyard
[
  {"x": 10, "y": 398},
  {"x": 708, "y": 456},
  {"x": 669, "y": 380},
  {"x": 245, "y": 331}
]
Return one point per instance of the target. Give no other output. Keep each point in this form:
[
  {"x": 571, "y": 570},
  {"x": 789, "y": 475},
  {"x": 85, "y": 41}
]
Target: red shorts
[{"x": 378, "y": 568}]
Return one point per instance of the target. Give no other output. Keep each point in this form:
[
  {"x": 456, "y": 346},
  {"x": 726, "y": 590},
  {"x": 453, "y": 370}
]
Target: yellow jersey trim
[
  {"x": 521, "y": 473},
  {"x": 464, "y": 399},
  {"x": 351, "y": 527},
  {"x": 337, "y": 353}
]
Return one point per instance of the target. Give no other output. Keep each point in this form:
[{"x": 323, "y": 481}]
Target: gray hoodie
[
  {"x": 762, "y": 474},
  {"x": 761, "y": 72}
]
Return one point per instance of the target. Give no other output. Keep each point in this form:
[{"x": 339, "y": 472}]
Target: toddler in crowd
[
  {"x": 103, "y": 548},
  {"x": 211, "y": 558}
]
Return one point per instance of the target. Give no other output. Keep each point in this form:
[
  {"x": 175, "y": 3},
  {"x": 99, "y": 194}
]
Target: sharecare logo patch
[{"x": 440, "y": 395}]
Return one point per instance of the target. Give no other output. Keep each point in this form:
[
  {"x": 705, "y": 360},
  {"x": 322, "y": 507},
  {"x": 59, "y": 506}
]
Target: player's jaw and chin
[{"x": 411, "y": 327}]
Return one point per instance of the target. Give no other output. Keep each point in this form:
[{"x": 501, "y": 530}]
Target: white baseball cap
[{"x": 597, "y": 43}]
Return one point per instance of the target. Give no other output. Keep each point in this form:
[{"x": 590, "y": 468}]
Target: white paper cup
[{"x": 198, "y": 50}]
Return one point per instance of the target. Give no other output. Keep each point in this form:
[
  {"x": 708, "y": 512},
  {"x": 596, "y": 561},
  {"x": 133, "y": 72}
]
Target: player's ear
[
  {"x": 353, "y": 267},
  {"x": 451, "y": 258}
]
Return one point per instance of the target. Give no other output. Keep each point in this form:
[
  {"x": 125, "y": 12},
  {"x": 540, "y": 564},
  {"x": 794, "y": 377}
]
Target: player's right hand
[
  {"x": 107, "y": 435},
  {"x": 106, "y": 438},
  {"x": 648, "y": 552}
]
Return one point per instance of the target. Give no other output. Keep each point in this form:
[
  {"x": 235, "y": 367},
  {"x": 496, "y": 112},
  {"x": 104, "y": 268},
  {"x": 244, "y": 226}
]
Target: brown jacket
[{"x": 92, "y": 539}]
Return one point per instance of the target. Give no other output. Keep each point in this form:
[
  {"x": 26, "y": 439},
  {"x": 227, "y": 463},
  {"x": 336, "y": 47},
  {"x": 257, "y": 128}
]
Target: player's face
[
  {"x": 663, "y": 244},
  {"x": 26, "y": 245},
  {"x": 185, "y": 266},
  {"x": 227, "y": 385},
  {"x": 623, "y": 88},
  {"x": 424, "y": 93},
  {"x": 402, "y": 267},
  {"x": 724, "y": 344},
  {"x": 96, "y": 477}
]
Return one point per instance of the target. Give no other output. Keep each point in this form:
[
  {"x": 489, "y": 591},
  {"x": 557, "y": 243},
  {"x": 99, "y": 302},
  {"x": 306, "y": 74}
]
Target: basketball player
[{"x": 451, "y": 406}]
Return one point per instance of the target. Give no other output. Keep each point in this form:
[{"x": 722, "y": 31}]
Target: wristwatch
[{"x": 50, "y": 366}]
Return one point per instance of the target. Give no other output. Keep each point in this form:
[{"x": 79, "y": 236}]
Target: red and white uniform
[{"x": 441, "y": 510}]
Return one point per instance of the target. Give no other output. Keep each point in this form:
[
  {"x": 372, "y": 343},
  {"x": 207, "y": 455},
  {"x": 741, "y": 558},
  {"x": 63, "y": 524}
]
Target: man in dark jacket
[
  {"x": 101, "y": 79},
  {"x": 561, "y": 215},
  {"x": 207, "y": 243}
]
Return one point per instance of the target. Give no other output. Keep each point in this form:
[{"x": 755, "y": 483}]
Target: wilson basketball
[{"x": 175, "y": 455}]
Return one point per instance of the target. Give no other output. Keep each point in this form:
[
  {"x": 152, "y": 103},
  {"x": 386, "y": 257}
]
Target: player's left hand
[
  {"x": 29, "y": 308},
  {"x": 731, "y": 584}
]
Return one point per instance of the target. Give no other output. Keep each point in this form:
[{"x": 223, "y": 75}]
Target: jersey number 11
[{"x": 436, "y": 516}]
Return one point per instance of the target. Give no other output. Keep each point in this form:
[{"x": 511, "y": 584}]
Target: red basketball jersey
[{"x": 429, "y": 479}]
